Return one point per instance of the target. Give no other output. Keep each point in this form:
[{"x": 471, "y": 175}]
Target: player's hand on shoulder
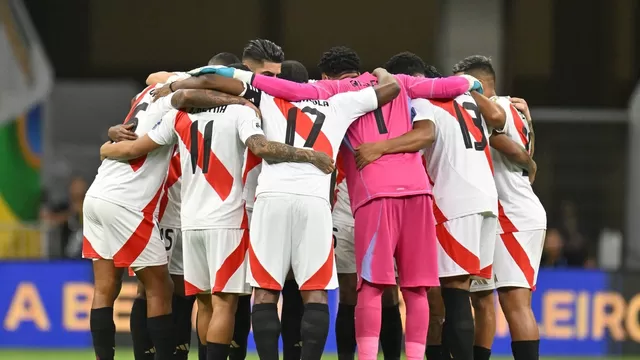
[
  {"x": 367, "y": 153},
  {"x": 322, "y": 161},
  {"x": 122, "y": 133},
  {"x": 377, "y": 72},
  {"x": 474, "y": 84},
  {"x": 161, "y": 92},
  {"x": 253, "y": 107},
  {"x": 521, "y": 105}
]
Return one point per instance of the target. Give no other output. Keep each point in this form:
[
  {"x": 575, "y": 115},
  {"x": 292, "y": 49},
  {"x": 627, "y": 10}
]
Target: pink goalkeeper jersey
[{"x": 392, "y": 175}]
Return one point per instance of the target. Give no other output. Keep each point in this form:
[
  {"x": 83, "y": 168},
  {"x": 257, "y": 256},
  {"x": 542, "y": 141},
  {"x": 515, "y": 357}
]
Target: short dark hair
[
  {"x": 431, "y": 72},
  {"x": 263, "y": 50},
  {"x": 239, "y": 66},
  {"x": 406, "y": 63},
  {"x": 294, "y": 71},
  {"x": 475, "y": 63},
  {"x": 339, "y": 60},
  {"x": 224, "y": 59}
]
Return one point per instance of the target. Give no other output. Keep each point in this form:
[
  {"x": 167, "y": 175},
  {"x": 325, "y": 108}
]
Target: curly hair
[
  {"x": 339, "y": 60},
  {"x": 406, "y": 63},
  {"x": 432, "y": 72}
]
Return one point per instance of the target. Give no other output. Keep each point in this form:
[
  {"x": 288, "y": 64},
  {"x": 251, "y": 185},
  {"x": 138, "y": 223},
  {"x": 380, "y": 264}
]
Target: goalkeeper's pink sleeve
[
  {"x": 437, "y": 88},
  {"x": 292, "y": 91}
]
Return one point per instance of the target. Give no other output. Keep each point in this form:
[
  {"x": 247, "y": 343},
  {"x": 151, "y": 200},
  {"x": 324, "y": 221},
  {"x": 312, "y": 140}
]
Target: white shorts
[
  {"x": 516, "y": 262},
  {"x": 215, "y": 260},
  {"x": 292, "y": 232},
  {"x": 128, "y": 237},
  {"x": 466, "y": 245},
  {"x": 172, "y": 237},
  {"x": 345, "y": 249}
]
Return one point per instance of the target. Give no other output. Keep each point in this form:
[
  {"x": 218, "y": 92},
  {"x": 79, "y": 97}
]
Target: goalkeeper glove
[{"x": 474, "y": 84}]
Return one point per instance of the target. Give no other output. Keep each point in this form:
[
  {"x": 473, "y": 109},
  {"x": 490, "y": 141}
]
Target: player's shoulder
[{"x": 463, "y": 98}]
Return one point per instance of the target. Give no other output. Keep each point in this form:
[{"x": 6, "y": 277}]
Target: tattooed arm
[{"x": 275, "y": 152}]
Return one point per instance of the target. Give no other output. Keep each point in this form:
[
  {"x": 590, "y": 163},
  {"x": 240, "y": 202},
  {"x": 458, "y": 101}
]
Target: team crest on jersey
[{"x": 257, "y": 125}]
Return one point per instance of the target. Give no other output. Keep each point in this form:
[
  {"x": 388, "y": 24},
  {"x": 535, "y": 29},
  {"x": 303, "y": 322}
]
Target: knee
[
  {"x": 225, "y": 303},
  {"x": 315, "y": 296},
  {"x": 514, "y": 301},
  {"x": 108, "y": 289},
  {"x": 348, "y": 293},
  {"x": 483, "y": 303},
  {"x": 264, "y": 296},
  {"x": 390, "y": 296},
  {"x": 204, "y": 304}
]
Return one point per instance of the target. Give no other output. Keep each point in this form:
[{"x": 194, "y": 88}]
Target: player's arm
[
  {"x": 438, "y": 88},
  {"x": 158, "y": 77},
  {"x": 208, "y": 81},
  {"x": 121, "y": 132},
  {"x": 162, "y": 134},
  {"x": 421, "y": 136},
  {"x": 250, "y": 132},
  {"x": 182, "y": 99},
  {"x": 514, "y": 152},
  {"x": 127, "y": 150},
  {"x": 491, "y": 111},
  {"x": 388, "y": 87},
  {"x": 275, "y": 152},
  {"x": 522, "y": 106}
]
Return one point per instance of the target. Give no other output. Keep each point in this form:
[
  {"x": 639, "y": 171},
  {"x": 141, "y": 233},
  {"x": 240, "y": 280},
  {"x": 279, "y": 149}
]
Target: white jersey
[
  {"x": 250, "y": 173},
  {"x": 169, "y": 210},
  {"x": 342, "y": 206},
  {"x": 212, "y": 145},
  {"x": 317, "y": 124},
  {"x": 136, "y": 184},
  {"x": 520, "y": 208},
  {"x": 459, "y": 161}
]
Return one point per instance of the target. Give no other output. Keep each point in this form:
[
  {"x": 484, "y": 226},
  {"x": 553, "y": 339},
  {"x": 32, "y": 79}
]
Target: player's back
[
  {"x": 317, "y": 124},
  {"x": 212, "y": 157},
  {"x": 459, "y": 161},
  {"x": 137, "y": 183},
  {"x": 392, "y": 174},
  {"x": 518, "y": 201}
]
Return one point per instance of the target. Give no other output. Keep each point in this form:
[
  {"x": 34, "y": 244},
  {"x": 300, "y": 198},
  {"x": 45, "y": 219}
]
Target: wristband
[
  {"x": 170, "y": 88},
  {"x": 243, "y": 91}
]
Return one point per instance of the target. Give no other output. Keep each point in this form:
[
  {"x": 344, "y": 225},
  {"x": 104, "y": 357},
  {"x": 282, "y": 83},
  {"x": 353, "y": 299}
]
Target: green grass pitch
[{"x": 128, "y": 355}]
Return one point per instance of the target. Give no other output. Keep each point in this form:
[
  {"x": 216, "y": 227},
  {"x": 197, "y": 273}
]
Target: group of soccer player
[{"x": 243, "y": 177}]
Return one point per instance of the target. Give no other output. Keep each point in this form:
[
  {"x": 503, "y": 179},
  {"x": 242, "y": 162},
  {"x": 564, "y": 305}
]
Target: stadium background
[{"x": 69, "y": 69}]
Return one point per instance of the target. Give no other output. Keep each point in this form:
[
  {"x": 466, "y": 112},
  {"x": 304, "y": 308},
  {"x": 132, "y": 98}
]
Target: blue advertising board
[{"x": 46, "y": 304}]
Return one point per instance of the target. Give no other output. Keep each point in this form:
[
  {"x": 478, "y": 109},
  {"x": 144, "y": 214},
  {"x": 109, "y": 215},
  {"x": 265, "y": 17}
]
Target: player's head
[
  {"x": 224, "y": 59},
  {"x": 430, "y": 71},
  {"x": 239, "y": 66},
  {"x": 339, "y": 62},
  {"x": 406, "y": 63},
  {"x": 263, "y": 57},
  {"x": 479, "y": 67},
  {"x": 294, "y": 71}
]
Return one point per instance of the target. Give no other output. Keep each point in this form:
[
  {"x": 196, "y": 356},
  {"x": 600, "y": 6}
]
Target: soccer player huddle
[{"x": 245, "y": 177}]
